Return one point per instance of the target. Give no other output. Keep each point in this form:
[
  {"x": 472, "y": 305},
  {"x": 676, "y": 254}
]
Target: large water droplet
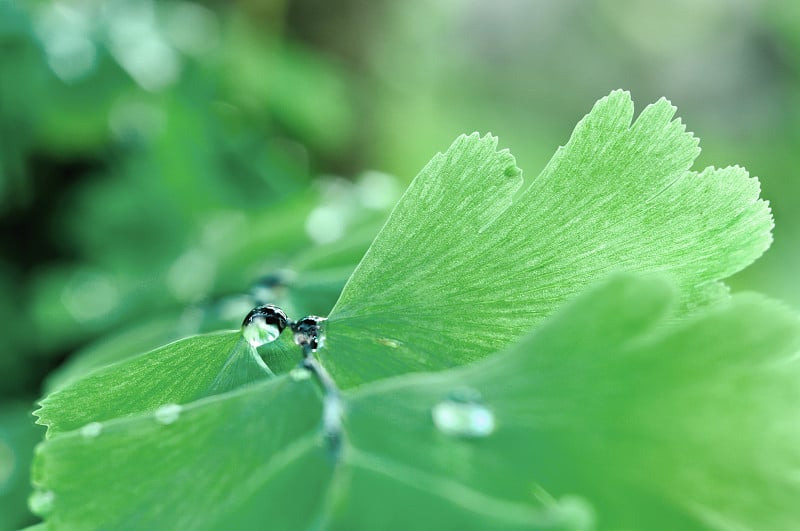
[
  {"x": 41, "y": 502},
  {"x": 263, "y": 325},
  {"x": 92, "y": 430},
  {"x": 308, "y": 332},
  {"x": 463, "y": 414},
  {"x": 168, "y": 413}
]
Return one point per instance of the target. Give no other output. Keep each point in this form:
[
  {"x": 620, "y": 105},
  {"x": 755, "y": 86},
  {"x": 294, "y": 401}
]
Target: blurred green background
[{"x": 166, "y": 165}]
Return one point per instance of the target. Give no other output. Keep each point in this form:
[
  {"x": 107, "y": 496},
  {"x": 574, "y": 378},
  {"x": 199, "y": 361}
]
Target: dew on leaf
[
  {"x": 41, "y": 502},
  {"x": 308, "y": 332},
  {"x": 263, "y": 325},
  {"x": 168, "y": 413},
  {"x": 391, "y": 343},
  {"x": 92, "y": 430},
  {"x": 463, "y": 414}
]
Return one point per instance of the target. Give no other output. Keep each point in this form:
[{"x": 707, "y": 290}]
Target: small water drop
[
  {"x": 308, "y": 332},
  {"x": 299, "y": 374},
  {"x": 391, "y": 343},
  {"x": 41, "y": 502},
  {"x": 263, "y": 325},
  {"x": 463, "y": 414},
  {"x": 92, "y": 430},
  {"x": 168, "y": 413}
]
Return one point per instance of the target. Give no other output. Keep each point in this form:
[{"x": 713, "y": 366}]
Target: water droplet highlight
[
  {"x": 41, "y": 502},
  {"x": 92, "y": 430},
  {"x": 299, "y": 374},
  {"x": 263, "y": 325},
  {"x": 391, "y": 343},
  {"x": 168, "y": 413},
  {"x": 308, "y": 332},
  {"x": 463, "y": 414}
]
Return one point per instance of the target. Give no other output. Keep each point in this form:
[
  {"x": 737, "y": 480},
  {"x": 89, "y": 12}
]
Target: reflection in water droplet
[
  {"x": 168, "y": 413},
  {"x": 41, "y": 502},
  {"x": 263, "y": 325},
  {"x": 308, "y": 332},
  {"x": 463, "y": 414},
  {"x": 299, "y": 374},
  {"x": 92, "y": 430}
]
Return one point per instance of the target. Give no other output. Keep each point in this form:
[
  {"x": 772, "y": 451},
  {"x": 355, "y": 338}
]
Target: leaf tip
[{"x": 42, "y": 419}]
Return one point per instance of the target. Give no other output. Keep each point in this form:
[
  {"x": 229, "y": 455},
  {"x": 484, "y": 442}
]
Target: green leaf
[
  {"x": 656, "y": 425},
  {"x": 246, "y": 457},
  {"x": 686, "y": 427},
  {"x": 252, "y": 458},
  {"x": 467, "y": 262},
  {"x": 177, "y": 373}
]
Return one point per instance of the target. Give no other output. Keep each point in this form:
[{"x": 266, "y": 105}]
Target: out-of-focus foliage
[
  {"x": 17, "y": 439},
  {"x": 523, "y": 70},
  {"x": 159, "y": 161},
  {"x": 155, "y": 166}
]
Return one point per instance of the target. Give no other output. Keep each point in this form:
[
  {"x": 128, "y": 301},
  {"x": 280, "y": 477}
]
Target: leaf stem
[{"x": 332, "y": 407}]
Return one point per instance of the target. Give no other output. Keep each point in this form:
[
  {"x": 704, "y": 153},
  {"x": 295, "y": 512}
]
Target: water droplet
[
  {"x": 92, "y": 430},
  {"x": 308, "y": 332},
  {"x": 463, "y": 414},
  {"x": 299, "y": 374},
  {"x": 391, "y": 343},
  {"x": 41, "y": 502},
  {"x": 168, "y": 413},
  {"x": 263, "y": 325}
]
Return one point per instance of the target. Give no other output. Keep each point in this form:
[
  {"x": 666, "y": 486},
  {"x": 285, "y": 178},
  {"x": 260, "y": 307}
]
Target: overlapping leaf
[
  {"x": 601, "y": 414},
  {"x": 178, "y": 373},
  {"x": 463, "y": 266},
  {"x": 695, "y": 428}
]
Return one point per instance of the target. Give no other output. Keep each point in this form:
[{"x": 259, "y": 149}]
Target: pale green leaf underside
[
  {"x": 178, "y": 373},
  {"x": 463, "y": 267},
  {"x": 601, "y": 414}
]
